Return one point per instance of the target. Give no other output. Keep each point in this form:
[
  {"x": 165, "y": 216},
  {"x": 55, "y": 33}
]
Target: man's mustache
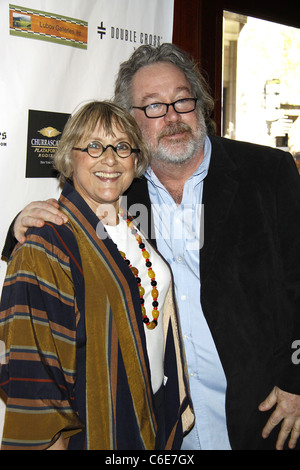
[{"x": 175, "y": 129}]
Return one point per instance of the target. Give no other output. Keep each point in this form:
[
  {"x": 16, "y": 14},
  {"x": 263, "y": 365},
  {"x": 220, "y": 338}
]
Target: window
[{"x": 261, "y": 86}]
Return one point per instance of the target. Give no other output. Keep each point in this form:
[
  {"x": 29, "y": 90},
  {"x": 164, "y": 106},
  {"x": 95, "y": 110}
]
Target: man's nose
[{"x": 172, "y": 115}]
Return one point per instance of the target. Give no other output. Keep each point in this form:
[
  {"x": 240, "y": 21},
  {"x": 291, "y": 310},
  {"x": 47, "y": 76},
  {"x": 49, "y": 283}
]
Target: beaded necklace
[{"x": 151, "y": 274}]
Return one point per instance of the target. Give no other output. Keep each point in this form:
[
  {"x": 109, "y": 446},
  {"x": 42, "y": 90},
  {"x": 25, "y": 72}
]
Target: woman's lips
[{"x": 107, "y": 176}]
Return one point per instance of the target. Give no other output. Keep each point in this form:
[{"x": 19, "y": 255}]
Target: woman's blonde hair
[{"x": 83, "y": 122}]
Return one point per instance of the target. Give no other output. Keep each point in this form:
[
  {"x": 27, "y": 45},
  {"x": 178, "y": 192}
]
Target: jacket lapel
[{"x": 219, "y": 190}]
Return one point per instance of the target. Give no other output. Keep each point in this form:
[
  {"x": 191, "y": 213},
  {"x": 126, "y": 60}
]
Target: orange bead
[
  {"x": 151, "y": 273},
  {"x": 154, "y": 293},
  {"x": 146, "y": 254},
  {"x": 155, "y": 313},
  {"x": 141, "y": 290},
  {"x": 134, "y": 270}
]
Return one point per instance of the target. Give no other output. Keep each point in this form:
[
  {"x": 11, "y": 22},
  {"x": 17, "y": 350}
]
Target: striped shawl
[{"x": 76, "y": 359}]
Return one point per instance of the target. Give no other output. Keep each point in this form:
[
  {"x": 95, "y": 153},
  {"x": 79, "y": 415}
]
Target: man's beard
[{"x": 179, "y": 151}]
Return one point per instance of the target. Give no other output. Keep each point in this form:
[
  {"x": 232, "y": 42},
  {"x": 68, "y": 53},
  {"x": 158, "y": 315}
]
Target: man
[{"x": 238, "y": 288}]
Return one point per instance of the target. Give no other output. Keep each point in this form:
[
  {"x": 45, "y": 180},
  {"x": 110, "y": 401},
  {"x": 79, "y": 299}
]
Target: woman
[{"x": 94, "y": 354}]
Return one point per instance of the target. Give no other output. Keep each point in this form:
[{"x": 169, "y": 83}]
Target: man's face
[{"x": 174, "y": 137}]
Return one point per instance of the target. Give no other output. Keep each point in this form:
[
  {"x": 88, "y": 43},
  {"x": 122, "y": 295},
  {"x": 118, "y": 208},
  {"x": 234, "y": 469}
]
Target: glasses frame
[
  {"x": 144, "y": 108},
  {"x": 104, "y": 148}
]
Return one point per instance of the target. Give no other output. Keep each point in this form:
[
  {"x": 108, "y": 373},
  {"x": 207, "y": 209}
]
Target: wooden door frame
[{"x": 198, "y": 30}]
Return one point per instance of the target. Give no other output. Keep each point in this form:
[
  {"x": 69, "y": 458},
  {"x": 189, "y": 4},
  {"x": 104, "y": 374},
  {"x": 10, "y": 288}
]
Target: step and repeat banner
[{"x": 55, "y": 55}]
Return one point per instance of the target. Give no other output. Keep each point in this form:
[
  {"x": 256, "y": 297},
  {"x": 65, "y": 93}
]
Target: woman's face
[{"x": 103, "y": 180}]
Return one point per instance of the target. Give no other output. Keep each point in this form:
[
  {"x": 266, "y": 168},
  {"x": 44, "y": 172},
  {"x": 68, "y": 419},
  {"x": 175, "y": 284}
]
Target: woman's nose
[{"x": 109, "y": 155}]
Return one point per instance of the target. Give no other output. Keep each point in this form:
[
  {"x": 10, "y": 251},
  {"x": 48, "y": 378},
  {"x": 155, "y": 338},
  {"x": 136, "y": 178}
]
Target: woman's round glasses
[{"x": 95, "y": 149}]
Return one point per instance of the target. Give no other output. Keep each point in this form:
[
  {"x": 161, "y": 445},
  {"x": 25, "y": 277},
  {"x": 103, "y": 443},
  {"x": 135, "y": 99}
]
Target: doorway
[{"x": 260, "y": 83}]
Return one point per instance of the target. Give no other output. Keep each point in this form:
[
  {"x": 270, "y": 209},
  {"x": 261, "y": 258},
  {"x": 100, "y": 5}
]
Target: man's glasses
[
  {"x": 157, "y": 110},
  {"x": 95, "y": 149}
]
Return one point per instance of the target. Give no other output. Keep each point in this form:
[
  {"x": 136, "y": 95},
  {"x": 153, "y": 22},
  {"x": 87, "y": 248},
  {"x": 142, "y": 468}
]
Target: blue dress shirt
[{"x": 179, "y": 239}]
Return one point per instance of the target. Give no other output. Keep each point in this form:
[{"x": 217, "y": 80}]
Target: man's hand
[
  {"x": 35, "y": 215},
  {"x": 288, "y": 411}
]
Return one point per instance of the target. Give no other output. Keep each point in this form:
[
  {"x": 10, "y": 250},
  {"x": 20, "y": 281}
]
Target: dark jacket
[{"x": 250, "y": 277}]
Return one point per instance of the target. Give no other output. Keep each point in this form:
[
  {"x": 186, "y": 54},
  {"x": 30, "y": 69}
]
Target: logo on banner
[
  {"x": 3, "y": 139},
  {"x": 45, "y": 26},
  {"x": 44, "y": 130},
  {"x": 121, "y": 33}
]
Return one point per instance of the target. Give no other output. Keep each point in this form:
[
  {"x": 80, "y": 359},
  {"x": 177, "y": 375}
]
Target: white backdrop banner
[{"x": 55, "y": 55}]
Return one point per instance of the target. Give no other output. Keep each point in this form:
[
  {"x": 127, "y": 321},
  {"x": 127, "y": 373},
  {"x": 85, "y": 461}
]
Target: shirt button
[
  {"x": 179, "y": 259},
  {"x": 183, "y": 297}
]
